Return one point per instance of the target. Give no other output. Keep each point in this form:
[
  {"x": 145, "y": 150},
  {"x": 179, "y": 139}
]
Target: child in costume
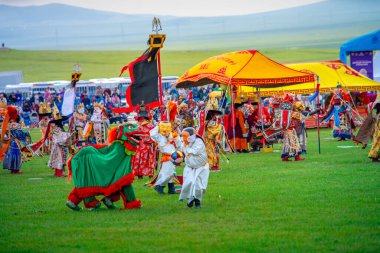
[
  {"x": 212, "y": 137},
  {"x": 196, "y": 171},
  {"x": 163, "y": 136}
]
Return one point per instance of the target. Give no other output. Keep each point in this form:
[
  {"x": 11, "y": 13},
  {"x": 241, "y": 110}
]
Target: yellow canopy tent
[
  {"x": 248, "y": 67},
  {"x": 330, "y": 74}
]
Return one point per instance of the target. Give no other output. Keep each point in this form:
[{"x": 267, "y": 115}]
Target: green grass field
[
  {"x": 57, "y": 65},
  {"x": 327, "y": 203}
]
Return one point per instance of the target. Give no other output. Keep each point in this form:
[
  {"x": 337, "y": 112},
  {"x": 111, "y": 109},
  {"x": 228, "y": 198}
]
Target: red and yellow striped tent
[{"x": 330, "y": 73}]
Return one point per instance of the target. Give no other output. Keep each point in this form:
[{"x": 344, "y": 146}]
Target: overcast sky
[{"x": 175, "y": 7}]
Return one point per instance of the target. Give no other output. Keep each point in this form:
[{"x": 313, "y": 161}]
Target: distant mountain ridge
[{"x": 63, "y": 27}]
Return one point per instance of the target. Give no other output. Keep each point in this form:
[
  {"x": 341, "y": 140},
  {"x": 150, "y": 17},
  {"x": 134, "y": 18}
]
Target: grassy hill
[
  {"x": 325, "y": 24},
  {"x": 56, "y": 65}
]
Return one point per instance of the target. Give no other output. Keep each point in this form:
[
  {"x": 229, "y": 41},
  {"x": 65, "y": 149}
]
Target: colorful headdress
[
  {"x": 75, "y": 76},
  {"x": 44, "y": 109},
  {"x": 56, "y": 114},
  {"x": 211, "y": 113},
  {"x": 143, "y": 113},
  {"x": 11, "y": 114},
  {"x": 172, "y": 110},
  {"x": 298, "y": 105},
  {"x": 100, "y": 105}
]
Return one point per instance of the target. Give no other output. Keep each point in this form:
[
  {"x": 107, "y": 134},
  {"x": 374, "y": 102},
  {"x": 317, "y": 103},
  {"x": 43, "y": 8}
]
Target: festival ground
[{"x": 329, "y": 202}]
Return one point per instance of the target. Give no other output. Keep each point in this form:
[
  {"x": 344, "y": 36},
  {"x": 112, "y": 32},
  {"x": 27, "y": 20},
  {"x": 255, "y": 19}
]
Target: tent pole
[
  {"x": 233, "y": 119},
  {"x": 318, "y": 128},
  {"x": 261, "y": 108}
]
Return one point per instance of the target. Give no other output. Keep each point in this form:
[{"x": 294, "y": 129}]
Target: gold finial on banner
[{"x": 156, "y": 40}]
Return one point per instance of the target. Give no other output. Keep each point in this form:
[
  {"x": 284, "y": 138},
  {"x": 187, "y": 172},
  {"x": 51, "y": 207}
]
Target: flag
[
  {"x": 144, "y": 88},
  {"x": 312, "y": 97},
  {"x": 68, "y": 101}
]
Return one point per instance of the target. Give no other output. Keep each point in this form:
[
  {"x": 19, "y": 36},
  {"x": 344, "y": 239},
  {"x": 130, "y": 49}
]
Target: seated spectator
[
  {"x": 203, "y": 94},
  {"x": 115, "y": 100},
  {"x": 99, "y": 94},
  {"x": 3, "y": 99},
  {"x": 174, "y": 93},
  {"x": 18, "y": 98},
  {"x": 116, "y": 91},
  {"x": 48, "y": 96},
  {"x": 107, "y": 92},
  {"x": 86, "y": 101},
  {"x": 27, "y": 105}
]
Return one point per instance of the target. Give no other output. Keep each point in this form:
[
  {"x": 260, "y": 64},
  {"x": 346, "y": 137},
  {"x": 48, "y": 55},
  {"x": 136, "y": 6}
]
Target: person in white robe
[
  {"x": 196, "y": 171},
  {"x": 162, "y": 135}
]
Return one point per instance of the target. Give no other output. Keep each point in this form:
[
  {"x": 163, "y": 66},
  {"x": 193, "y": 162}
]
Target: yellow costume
[{"x": 212, "y": 137}]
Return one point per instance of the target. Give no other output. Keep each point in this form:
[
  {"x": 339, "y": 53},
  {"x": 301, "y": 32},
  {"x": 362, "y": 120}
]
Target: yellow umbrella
[
  {"x": 330, "y": 74},
  {"x": 248, "y": 67}
]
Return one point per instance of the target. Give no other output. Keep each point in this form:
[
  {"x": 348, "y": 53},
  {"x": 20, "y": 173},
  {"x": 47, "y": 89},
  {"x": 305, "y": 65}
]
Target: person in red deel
[
  {"x": 144, "y": 161},
  {"x": 238, "y": 138}
]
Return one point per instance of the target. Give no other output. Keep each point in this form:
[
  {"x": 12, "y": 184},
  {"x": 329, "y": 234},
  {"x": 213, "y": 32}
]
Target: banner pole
[{"x": 160, "y": 83}]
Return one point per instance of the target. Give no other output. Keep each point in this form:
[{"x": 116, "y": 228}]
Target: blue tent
[{"x": 367, "y": 42}]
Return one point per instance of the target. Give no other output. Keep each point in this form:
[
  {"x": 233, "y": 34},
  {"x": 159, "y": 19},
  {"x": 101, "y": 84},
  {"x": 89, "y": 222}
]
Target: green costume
[{"x": 105, "y": 170}]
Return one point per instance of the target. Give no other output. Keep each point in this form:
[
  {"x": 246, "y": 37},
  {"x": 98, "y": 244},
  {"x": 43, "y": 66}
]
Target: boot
[
  {"x": 95, "y": 207},
  {"x": 58, "y": 173},
  {"x": 171, "y": 188},
  {"x": 72, "y": 206},
  {"x": 159, "y": 189},
  {"x": 108, "y": 203},
  {"x": 286, "y": 159},
  {"x": 191, "y": 203},
  {"x": 197, "y": 203},
  {"x": 298, "y": 158},
  {"x": 215, "y": 168}
]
